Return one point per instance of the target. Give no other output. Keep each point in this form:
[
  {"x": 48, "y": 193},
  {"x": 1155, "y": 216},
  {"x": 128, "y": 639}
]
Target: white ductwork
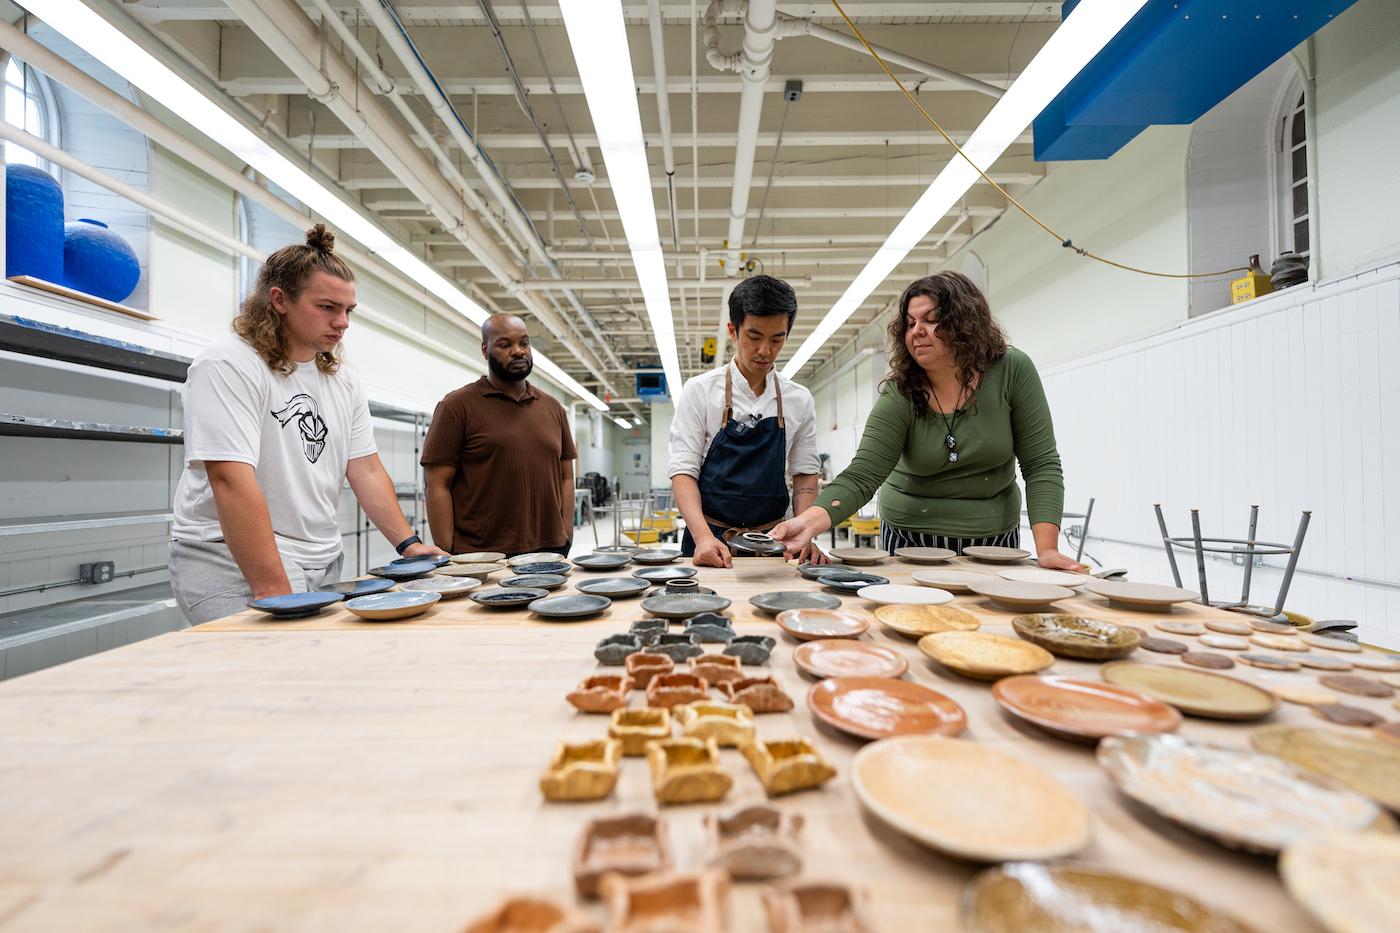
[{"x": 663, "y": 92}]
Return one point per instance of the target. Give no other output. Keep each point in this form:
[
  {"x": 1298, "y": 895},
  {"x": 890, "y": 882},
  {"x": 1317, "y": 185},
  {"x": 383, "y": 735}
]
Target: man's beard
[{"x": 506, "y": 374}]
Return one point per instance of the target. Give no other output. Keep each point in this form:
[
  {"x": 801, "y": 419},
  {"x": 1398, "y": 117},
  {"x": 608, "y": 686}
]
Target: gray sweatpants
[{"x": 208, "y": 584}]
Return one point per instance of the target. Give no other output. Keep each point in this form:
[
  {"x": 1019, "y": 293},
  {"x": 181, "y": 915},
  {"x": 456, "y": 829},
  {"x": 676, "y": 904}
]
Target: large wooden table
[{"x": 329, "y": 774}]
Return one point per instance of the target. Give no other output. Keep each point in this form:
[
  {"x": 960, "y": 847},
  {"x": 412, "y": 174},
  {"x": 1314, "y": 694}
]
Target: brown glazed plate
[
  {"x": 846, "y": 657},
  {"x": 879, "y": 707},
  {"x": 1083, "y": 710},
  {"x": 1019, "y": 897},
  {"x": 1239, "y": 798},
  {"x": 1367, "y": 765},
  {"x": 1077, "y": 637},
  {"x": 1196, "y": 693},
  {"x": 810, "y": 624}
]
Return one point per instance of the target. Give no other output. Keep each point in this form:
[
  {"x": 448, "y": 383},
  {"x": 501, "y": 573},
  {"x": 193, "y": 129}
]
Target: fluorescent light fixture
[
  {"x": 623, "y": 423},
  {"x": 1080, "y": 37},
  {"x": 99, "y": 38},
  {"x": 598, "y": 35}
]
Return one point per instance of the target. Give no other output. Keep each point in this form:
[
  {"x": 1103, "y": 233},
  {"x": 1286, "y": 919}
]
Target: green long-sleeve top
[{"x": 1008, "y": 421}]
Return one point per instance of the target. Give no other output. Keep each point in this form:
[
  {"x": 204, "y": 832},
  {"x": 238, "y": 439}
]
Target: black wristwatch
[{"x": 407, "y": 543}]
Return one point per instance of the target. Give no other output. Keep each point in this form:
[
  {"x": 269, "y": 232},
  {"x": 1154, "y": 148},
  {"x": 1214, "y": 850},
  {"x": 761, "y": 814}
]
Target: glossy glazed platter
[
  {"x": 408, "y": 571},
  {"x": 1151, "y": 596},
  {"x": 996, "y": 555},
  {"x": 1083, "y": 710},
  {"x": 478, "y": 557},
  {"x": 1346, "y": 880},
  {"x": 900, "y": 594},
  {"x": 925, "y": 555},
  {"x": 917, "y": 621},
  {"x": 989, "y": 806},
  {"x": 1027, "y": 896},
  {"x": 1076, "y": 636},
  {"x": 859, "y": 556},
  {"x": 602, "y": 561},
  {"x": 1369, "y": 766},
  {"x": 879, "y": 707},
  {"x": 1239, "y": 798},
  {"x": 774, "y": 603},
  {"x": 569, "y": 606},
  {"x": 613, "y": 587},
  {"x": 954, "y": 581},
  {"x": 655, "y": 556},
  {"x": 1044, "y": 576},
  {"x": 1196, "y": 693},
  {"x": 1008, "y": 594},
  {"x": 850, "y": 581},
  {"x": 295, "y": 605},
  {"x": 392, "y": 607},
  {"x": 684, "y": 605},
  {"x": 663, "y": 574},
  {"x": 985, "y": 656},
  {"x": 847, "y": 657},
  {"x": 349, "y": 589},
  {"x": 811, "y": 624},
  {"x": 535, "y": 581},
  {"x": 447, "y": 587},
  {"x": 507, "y": 597}
]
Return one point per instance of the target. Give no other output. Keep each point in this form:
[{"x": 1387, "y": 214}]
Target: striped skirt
[{"x": 892, "y": 538}]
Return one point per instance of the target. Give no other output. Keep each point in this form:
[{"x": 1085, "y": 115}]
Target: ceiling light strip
[
  {"x": 598, "y": 36},
  {"x": 99, "y": 38},
  {"x": 1080, "y": 37}
]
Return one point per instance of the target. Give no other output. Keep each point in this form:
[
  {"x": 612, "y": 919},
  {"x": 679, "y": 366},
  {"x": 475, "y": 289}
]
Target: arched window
[
  {"x": 1295, "y": 218},
  {"x": 29, "y": 105}
]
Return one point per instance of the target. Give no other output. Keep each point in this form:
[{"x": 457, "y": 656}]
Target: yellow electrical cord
[{"x": 1065, "y": 241}]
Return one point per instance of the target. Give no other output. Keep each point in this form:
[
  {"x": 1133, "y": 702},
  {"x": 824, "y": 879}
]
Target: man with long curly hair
[{"x": 273, "y": 425}]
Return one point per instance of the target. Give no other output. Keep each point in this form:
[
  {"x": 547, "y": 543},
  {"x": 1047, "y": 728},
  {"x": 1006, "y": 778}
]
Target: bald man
[{"x": 499, "y": 457}]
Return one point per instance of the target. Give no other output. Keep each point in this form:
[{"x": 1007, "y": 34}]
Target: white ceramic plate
[
  {"x": 1041, "y": 575},
  {"x": 900, "y": 594}
]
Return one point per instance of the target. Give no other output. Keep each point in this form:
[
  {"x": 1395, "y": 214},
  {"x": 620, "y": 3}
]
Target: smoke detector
[{"x": 584, "y": 177}]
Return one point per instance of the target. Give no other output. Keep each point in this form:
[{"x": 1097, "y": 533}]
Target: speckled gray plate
[
  {"x": 535, "y": 581},
  {"x": 506, "y": 597},
  {"x": 662, "y": 574},
  {"x": 603, "y": 561},
  {"x": 613, "y": 587},
  {"x": 684, "y": 605},
  {"x": 571, "y": 606},
  {"x": 774, "y": 603}
]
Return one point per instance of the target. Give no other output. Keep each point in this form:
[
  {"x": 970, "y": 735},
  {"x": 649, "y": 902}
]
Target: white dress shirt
[{"x": 700, "y": 413}]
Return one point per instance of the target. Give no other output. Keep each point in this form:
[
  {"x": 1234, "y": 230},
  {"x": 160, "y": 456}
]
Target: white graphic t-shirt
[{"x": 297, "y": 431}]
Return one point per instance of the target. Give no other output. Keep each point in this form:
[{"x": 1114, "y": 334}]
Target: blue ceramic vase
[
  {"x": 34, "y": 224},
  {"x": 98, "y": 261}
]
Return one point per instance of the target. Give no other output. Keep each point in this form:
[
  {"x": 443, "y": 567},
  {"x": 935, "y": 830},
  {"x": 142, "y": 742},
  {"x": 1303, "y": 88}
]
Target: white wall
[{"x": 662, "y": 414}]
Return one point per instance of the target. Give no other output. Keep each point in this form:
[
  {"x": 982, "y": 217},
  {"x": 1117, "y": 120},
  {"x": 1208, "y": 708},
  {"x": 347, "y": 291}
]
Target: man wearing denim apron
[{"x": 742, "y": 432}]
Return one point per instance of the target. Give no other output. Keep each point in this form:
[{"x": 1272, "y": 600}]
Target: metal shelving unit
[
  {"x": 27, "y": 526},
  {"x": 25, "y": 426}
]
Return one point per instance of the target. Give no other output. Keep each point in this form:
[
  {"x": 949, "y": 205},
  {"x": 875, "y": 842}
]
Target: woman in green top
[{"x": 959, "y": 409}]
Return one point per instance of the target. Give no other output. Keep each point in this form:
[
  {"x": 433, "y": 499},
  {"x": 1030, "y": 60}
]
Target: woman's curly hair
[
  {"x": 965, "y": 325},
  {"x": 257, "y": 320}
]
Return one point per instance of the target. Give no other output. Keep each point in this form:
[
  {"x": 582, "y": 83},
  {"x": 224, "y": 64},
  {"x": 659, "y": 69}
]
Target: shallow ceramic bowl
[
  {"x": 1077, "y": 637},
  {"x": 349, "y": 589},
  {"x": 437, "y": 560},
  {"x": 899, "y": 594},
  {"x": 478, "y": 557},
  {"x": 1346, "y": 880},
  {"x": 879, "y": 707},
  {"x": 1020, "y": 596},
  {"x": 409, "y": 571},
  {"x": 553, "y": 567},
  {"x": 985, "y": 656},
  {"x": 534, "y": 557},
  {"x": 683, "y": 605},
  {"x": 392, "y": 607},
  {"x": 570, "y": 606},
  {"x": 810, "y": 624},
  {"x": 860, "y": 556},
  {"x": 507, "y": 597},
  {"x": 480, "y": 572},
  {"x": 447, "y": 587},
  {"x": 535, "y": 581},
  {"x": 655, "y": 556},
  {"x": 817, "y": 571},
  {"x": 612, "y": 587},
  {"x": 996, "y": 555},
  {"x": 1042, "y": 575},
  {"x": 602, "y": 561},
  {"x": 1367, "y": 765},
  {"x": 954, "y": 581},
  {"x": 924, "y": 555},
  {"x": 917, "y": 621},
  {"x": 294, "y": 605},
  {"x": 662, "y": 574},
  {"x": 1083, "y": 710},
  {"x": 1139, "y": 595},
  {"x": 751, "y": 649},
  {"x": 774, "y": 603},
  {"x": 847, "y": 657}
]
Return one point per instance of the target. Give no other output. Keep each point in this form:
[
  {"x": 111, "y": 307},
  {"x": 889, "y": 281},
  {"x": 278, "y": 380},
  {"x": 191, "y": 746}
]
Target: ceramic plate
[
  {"x": 1139, "y": 595},
  {"x": 1083, "y": 709},
  {"x": 1077, "y": 637},
  {"x": 656, "y": 556},
  {"x": 850, "y": 581},
  {"x": 571, "y": 606},
  {"x": 810, "y": 624},
  {"x": 1331, "y": 644},
  {"x": 846, "y": 657},
  {"x": 535, "y": 581},
  {"x": 1195, "y": 693},
  {"x": 437, "y": 560},
  {"x": 409, "y": 571},
  {"x": 918, "y": 621},
  {"x": 924, "y": 555},
  {"x": 817, "y": 571},
  {"x": 479, "y": 571},
  {"x": 860, "y": 556},
  {"x": 447, "y": 587},
  {"x": 478, "y": 557},
  {"x": 602, "y": 561},
  {"x": 683, "y": 605},
  {"x": 349, "y": 589},
  {"x": 1008, "y": 594},
  {"x": 1239, "y": 798},
  {"x": 618, "y": 549},
  {"x": 391, "y": 607},
  {"x": 553, "y": 567},
  {"x": 900, "y": 594},
  {"x": 534, "y": 557},
  {"x": 1366, "y": 765},
  {"x": 954, "y": 581},
  {"x": 985, "y": 656},
  {"x": 503, "y": 597},
  {"x": 879, "y": 707},
  {"x": 988, "y": 806},
  {"x": 295, "y": 604},
  {"x": 996, "y": 555},
  {"x": 774, "y": 603},
  {"x": 1041, "y": 575},
  {"x": 1025, "y": 896},
  {"x": 662, "y": 574},
  {"x": 613, "y": 587},
  {"x": 1346, "y": 880}
]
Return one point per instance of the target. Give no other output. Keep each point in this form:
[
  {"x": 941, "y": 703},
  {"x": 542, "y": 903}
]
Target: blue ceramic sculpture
[
  {"x": 98, "y": 261},
  {"x": 34, "y": 220}
]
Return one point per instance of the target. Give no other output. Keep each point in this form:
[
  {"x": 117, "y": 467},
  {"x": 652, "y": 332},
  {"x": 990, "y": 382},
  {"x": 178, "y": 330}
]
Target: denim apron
[{"x": 743, "y": 481}]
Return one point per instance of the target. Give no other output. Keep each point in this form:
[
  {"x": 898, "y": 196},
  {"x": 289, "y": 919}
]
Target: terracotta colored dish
[
  {"x": 985, "y": 656},
  {"x": 1025, "y": 896},
  {"x": 630, "y": 844},
  {"x": 530, "y": 915},
  {"x": 988, "y": 806},
  {"x": 879, "y": 707},
  {"x": 1041, "y": 575},
  {"x": 860, "y": 556},
  {"x": 1123, "y": 595},
  {"x": 1366, "y": 765},
  {"x": 1083, "y": 709},
  {"x": 1162, "y": 645},
  {"x": 1239, "y": 798},
  {"x": 1354, "y": 684},
  {"x": 809, "y": 624},
  {"x": 846, "y": 657},
  {"x": 813, "y": 907},
  {"x": 676, "y": 902},
  {"x": 392, "y": 607},
  {"x": 1345, "y": 880},
  {"x": 774, "y": 603},
  {"x": 924, "y": 555},
  {"x": 1343, "y": 715},
  {"x": 1210, "y": 660},
  {"x": 755, "y": 841},
  {"x": 1077, "y": 637},
  {"x": 1007, "y": 594},
  {"x": 1195, "y": 693},
  {"x": 918, "y": 621},
  {"x": 899, "y": 594},
  {"x": 954, "y": 581},
  {"x": 996, "y": 555}
]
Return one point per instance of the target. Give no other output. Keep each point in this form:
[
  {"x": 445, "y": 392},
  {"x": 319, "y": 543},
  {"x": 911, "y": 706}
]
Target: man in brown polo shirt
[{"x": 498, "y": 460}]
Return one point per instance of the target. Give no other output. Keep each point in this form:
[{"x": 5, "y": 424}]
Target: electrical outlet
[
  {"x": 1238, "y": 557},
  {"x": 100, "y": 572},
  {"x": 1075, "y": 531}
]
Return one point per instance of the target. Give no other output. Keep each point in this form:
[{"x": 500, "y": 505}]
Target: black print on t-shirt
[{"x": 302, "y": 408}]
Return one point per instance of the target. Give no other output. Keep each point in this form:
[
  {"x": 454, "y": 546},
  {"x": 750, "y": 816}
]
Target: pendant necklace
[{"x": 950, "y": 426}]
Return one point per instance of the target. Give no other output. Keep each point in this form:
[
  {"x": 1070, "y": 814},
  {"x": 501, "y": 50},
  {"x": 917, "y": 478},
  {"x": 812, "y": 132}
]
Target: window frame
[
  {"x": 1291, "y": 107},
  {"x": 35, "y": 86}
]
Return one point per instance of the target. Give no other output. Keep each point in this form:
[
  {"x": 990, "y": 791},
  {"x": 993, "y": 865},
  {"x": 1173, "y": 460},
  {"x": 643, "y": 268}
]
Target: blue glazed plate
[
  {"x": 294, "y": 604},
  {"x": 552, "y": 567},
  {"x": 349, "y": 589},
  {"x": 405, "y": 571},
  {"x": 438, "y": 560},
  {"x": 390, "y": 607}
]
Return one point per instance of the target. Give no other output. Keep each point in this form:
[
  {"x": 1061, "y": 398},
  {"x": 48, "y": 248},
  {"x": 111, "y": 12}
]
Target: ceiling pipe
[
  {"x": 663, "y": 100},
  {"x": 545, "y": 285}
]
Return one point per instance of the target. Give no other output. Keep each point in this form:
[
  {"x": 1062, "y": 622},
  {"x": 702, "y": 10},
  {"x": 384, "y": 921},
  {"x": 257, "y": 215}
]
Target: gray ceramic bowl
[
  {"x": 751, "y": 649},
  {"x": 710, "y": 627},
  {"x": 615, "y": 648},
  {"x": 677, "y": 647}
]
